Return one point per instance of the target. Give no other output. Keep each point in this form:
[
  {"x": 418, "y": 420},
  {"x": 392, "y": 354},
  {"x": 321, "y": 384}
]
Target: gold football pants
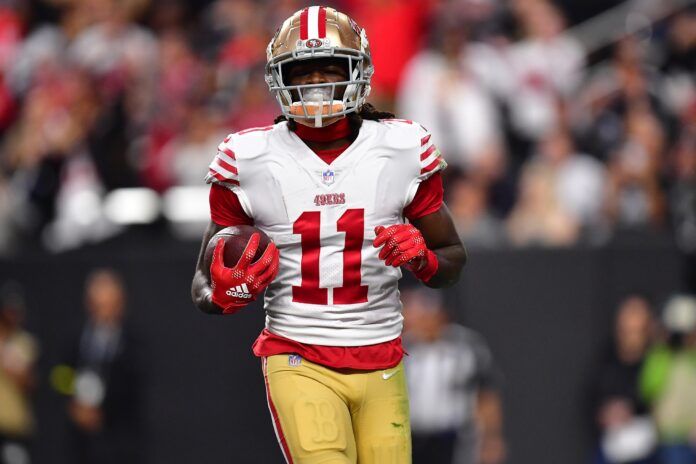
[{"x": 329, "y": 416}]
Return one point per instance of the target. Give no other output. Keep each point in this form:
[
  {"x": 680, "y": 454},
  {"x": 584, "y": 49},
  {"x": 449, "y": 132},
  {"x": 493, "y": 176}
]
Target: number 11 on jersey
[{"x": 308, "y": 226}]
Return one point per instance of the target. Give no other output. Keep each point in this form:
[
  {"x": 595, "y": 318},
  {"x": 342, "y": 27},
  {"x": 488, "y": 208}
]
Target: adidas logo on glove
[{"x": 240, "y": 291}]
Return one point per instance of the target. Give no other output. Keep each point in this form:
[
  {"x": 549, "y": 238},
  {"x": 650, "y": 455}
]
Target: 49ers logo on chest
[{"x": 324, "y": 199}]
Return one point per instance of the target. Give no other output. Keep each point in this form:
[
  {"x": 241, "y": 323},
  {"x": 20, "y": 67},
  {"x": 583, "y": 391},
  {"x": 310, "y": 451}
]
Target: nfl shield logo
[
  {"x": 294, "y": 360},
  {"x": 328, "y": 177}
]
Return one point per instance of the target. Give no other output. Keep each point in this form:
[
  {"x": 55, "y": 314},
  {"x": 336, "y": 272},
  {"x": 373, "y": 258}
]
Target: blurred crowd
[
  {"x": 555, "y": 146},
  {"x": 18, "y": 357},
  {"x": 643, "y": 390},
  {"x": 549, "y": 144}
]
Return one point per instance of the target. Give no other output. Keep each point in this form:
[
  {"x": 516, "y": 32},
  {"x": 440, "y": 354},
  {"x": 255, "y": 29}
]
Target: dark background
[{"x": 546, "y": 315}]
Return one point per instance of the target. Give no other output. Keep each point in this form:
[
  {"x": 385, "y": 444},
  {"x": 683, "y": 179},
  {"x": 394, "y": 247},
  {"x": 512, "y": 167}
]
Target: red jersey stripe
[
  {"x": 222, "y": 178},
  {"x": 227, "y": 151},
  {"x": 322, "y": 22},
  {"x": 303, "y": 24},
  {"x": 219, "y": 177},
  {"x": 255, "y": 129},
  {"x": 227, "y": 166},
  {"x": 432, "y": 165},
  {"x": 428, "y": 152},
  {"x": 425, "y": 140}
]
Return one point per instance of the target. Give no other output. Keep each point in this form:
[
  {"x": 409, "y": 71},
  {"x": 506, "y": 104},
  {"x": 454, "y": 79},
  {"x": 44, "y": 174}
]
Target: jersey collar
[
  {"x": 338, "y": 130},
  {"x": 315, "y": 166}
]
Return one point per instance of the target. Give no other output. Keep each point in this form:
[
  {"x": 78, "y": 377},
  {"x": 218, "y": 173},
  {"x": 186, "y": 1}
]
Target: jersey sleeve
[
  {"x": 431, "y": 161},
  {"x": 223, "y": 170},
  {"x": 425, "y": 197},
  {"x": 428, "y": 198},
  {"x": 228, "y": 201},
  {"x": 226, "y": 209}
]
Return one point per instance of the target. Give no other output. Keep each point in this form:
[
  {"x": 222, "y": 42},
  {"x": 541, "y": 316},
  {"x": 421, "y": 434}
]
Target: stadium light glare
[
  {"x": 186, "y": 204},
  {"x": 83, "y": 207},
  {"x": 132, "y": 206}
]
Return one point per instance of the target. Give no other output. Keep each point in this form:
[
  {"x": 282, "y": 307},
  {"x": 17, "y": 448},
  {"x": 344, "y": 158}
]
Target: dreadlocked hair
[
  {"x": 355, "y": 119},
  {"x": 369, "y": 112}
]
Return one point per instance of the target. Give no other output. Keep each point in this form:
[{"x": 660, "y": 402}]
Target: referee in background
[{"x": 456, "y": 413}]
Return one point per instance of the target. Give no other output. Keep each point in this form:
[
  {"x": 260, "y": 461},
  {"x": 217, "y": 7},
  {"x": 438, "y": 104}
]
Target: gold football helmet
[{"x": 319, "y": 32}]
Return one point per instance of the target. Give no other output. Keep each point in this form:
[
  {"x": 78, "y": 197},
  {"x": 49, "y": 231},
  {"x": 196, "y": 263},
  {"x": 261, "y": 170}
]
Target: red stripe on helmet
[
  {"x": 303, "y": 24},
  {"x": 322, "y": 22}
]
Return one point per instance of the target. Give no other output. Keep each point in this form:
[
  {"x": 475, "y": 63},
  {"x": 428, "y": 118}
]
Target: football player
[{"x": 350, "y": 196}]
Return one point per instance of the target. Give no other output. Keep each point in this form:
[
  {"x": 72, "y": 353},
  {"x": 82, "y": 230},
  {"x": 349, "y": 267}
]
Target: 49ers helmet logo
[{"x": 314, "y": 43}]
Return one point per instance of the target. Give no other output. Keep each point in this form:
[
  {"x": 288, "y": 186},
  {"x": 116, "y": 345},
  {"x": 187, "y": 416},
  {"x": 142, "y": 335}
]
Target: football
[{"x": 236, "y": 239}]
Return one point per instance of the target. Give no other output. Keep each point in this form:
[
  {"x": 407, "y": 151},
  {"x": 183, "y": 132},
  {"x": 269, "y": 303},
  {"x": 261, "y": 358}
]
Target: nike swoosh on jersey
[{"x": 388, "y": 375}]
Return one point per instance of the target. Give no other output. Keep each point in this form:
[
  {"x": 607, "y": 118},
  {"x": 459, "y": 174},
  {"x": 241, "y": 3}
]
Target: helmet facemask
[{"x": 323, "y": 101}]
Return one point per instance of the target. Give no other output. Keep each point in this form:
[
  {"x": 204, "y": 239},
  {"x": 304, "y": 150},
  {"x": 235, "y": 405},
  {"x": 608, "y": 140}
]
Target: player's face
[{"x": 319, "y": 71}]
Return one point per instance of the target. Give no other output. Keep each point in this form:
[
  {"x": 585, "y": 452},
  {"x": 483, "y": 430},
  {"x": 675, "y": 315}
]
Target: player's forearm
[
  {"x": 201, "y": 293},
  {"x": 442, "y": 239},
  {"x": 450, "y": 261}
]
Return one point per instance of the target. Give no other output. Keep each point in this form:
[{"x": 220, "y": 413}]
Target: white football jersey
[{"x": 331, "y": 288}]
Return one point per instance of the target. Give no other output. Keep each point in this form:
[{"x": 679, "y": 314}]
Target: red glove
[
  {"x": 403, "y": 244},
  {"x": 250, "y": 278}
]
